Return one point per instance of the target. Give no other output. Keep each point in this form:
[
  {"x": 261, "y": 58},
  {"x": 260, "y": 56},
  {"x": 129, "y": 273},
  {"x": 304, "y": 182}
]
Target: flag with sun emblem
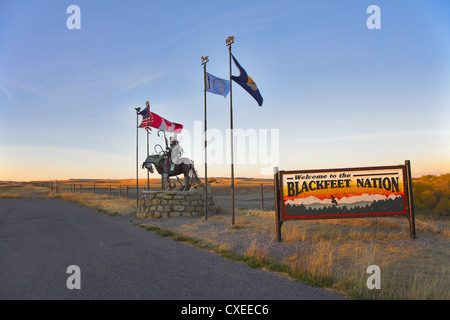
[{"x": 247, "y": 83}]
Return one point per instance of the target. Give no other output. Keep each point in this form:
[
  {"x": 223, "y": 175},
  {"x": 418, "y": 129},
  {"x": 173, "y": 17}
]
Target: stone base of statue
[{"x": 162, "y": 204}]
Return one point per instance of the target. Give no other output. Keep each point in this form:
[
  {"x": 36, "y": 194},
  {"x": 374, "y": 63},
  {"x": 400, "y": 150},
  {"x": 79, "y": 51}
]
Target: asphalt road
[{"x": 41, "y": 238}]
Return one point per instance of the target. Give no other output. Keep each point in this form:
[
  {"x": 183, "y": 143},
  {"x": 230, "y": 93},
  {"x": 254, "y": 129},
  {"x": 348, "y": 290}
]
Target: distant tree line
[
  {"x": 432, "y": 195},
  {"x": 380, "y": 206}
]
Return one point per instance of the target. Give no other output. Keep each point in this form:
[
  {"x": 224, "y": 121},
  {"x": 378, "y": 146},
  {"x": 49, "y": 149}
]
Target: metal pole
[
  {"x": 204, "y": 62},
  {"x": 148, "y": 153},
  {"x": 137, "y": 156},
  {"x": 229, "y": 43}
]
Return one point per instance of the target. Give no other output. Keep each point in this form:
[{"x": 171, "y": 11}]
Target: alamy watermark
[
  {"x": 374, "y": 280},
  {"x": 252, "y": 146},
  {"x": 74, "y": 20},
  {"x": 74, "y": 280},
  {"x": 374, "y": 21}
]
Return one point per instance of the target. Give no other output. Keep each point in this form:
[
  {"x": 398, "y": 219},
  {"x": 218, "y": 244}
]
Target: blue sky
[{"x": 339, "y": 94}]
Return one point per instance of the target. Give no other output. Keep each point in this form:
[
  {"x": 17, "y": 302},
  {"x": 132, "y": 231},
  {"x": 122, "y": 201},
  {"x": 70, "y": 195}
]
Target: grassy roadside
[
  {"x": 333, "y": 254},
  {"x": 252, "y": 257},
  {"x": 334, "y": 258},
  {"x": 101, "y": 203}
]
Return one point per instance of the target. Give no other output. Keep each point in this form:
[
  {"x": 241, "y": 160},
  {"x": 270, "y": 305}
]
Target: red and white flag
[{"x": 151, "y": 119}]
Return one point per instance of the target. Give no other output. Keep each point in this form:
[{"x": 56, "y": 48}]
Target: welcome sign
[{"x": 344, "y": 193}]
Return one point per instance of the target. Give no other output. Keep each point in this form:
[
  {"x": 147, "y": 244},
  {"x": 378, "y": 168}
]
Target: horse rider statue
[
  {"x": 172, "y": 155},
  {"x": 169, "y": 163},
  {"x": 175, "y": 151}
]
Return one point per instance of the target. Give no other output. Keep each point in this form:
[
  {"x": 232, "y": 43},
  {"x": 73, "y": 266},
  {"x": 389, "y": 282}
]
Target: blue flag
[
  {"x": 247, "y": 83},
  {"x": 216, "y": 85}
]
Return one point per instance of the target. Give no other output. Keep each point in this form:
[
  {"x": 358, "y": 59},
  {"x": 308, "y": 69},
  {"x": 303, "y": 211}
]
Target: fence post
[
  {"x": 93, "y": 191},
  {"x": 109, "y": 190},
  {"x": 262, "y": 198},
  {"x": 127, "y": 192},
  {"x": 80, "y": 187}
]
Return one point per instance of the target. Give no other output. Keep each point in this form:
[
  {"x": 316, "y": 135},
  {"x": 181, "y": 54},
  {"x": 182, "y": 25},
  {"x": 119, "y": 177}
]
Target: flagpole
[
  {"x": 229, "y": 42},
  {"x": 204, "y": 62},
  {"x": 148, "y": 153},
  {"x": 137, "y": 156}
]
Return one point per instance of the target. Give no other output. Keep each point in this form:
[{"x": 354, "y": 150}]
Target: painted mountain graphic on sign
[
  {"x": 348, "y": 201},
  {"x": 362, "y": 204}
]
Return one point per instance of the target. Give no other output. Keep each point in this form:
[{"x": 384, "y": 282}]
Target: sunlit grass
[{"x": 103, "y": 203}]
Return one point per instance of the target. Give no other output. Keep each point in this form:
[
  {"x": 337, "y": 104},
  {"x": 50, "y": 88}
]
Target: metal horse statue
[{"x": 166, "y": 168}]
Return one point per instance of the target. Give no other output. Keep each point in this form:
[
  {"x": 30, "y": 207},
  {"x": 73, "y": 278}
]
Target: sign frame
[{"x": 280, "y": 205}]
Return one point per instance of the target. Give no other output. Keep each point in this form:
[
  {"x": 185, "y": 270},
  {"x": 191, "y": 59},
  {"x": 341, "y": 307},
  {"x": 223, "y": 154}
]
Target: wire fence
[
  {"x": 117, "y": 191},
  {"x": 246, "y": 197}
]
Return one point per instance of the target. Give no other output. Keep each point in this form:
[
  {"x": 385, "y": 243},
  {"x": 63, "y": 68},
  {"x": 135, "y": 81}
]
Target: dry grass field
[{"x": 334, "y": 254}]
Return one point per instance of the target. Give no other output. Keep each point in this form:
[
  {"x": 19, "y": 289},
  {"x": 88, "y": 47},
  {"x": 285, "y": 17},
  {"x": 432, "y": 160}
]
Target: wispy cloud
[
  {"x": 7, "y": 93},
  {"x": 91, "y": 85}
]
